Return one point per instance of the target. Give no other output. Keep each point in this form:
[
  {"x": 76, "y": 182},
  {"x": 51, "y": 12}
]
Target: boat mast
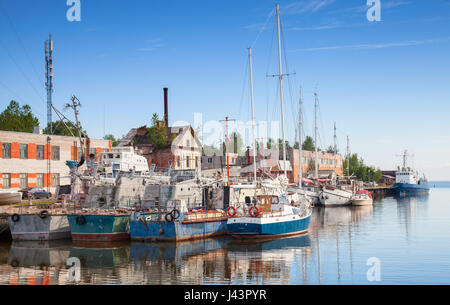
[
  {"x": 281, "y": 88},
  {"x": 300, "y": 139},
  {"x": 315, "y": 139},
  {"x": 253, "y": 111},
  {"x": 348, "y": 157},
  {"x": 335, "y": 152}
]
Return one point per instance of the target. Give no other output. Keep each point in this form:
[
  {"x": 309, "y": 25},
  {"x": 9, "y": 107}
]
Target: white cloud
[
  {"x": 305, "y": 6},
  {"x": 372, "y": 46}
]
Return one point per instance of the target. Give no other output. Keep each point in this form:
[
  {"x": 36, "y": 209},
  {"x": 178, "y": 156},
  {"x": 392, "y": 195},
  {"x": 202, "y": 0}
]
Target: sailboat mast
[
  {"x": 300, "y": 140},
  {"x": 335, "y": 152},
  {"x": 281, "y": 88},
  {"x": 315, "y": 139},
  {"x": 253, "y": 111}
]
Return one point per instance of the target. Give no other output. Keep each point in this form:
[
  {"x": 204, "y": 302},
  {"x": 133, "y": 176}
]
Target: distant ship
[{"x": 408, "y": 182}]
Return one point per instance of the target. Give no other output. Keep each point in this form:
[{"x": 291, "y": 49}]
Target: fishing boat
[
  {"x": 270, "y": 217},
  {"x": 362, "y": 197},
  {"x": 43, "y": 225},
  {"x": 10, "y": 197},
  {"x": 334, "y": 196},
  {"x": 408, "y": 182},
  {"x": 100, "y": 225}
]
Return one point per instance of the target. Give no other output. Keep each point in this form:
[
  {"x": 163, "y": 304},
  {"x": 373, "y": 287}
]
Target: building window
[
  {"x": 6, "y": 150},
  {"x": 178, "y": 161},
  {"x": 23, "y": 151},
  {"x": 40, "y": 180},
  {"x": 187, "y": 161},
  {"x": 40, "y": 152},
  {"x": 196, "y": 162},
  {"x": 55, "y": 153},
  {"x": 6, "y": 181},
  {"x": 209, "y": 160},
  {"x": 23, "y": 181},
  {"x": 55, "y": 179},
  {"x": 188, "y": 143}
]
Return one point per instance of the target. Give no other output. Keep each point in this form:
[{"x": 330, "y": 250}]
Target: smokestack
[{"x": 166, "y": 107}]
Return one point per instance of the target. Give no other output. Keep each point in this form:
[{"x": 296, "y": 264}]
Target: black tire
[
  {"x": 169, "y": 217},
  {"x": 175, "y": 214},
  {"x": 15, "y": 217},
  {"x": 43, "y": 214},
  {"x": 80, "y": 220}
]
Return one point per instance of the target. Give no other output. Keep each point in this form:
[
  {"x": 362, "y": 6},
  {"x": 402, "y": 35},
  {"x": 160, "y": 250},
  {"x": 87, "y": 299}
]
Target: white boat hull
[
  {"x": 362, "y": 201},
  {"x": 335, "y": 197},
  {"x": 10, "y": 198}
]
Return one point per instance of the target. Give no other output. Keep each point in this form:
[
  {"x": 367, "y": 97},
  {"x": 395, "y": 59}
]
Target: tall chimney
[{"x": 166, "y": 107}]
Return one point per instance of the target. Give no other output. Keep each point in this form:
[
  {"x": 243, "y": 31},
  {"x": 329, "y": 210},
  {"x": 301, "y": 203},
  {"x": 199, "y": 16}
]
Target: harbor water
[{"x": 405, "y": 239}]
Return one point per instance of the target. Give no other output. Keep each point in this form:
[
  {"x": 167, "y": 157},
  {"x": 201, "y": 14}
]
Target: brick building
[
  {"x": 24, "y": 156},
  {"x": 183, "y": 150},
  {"x": 273, "y": 159}
]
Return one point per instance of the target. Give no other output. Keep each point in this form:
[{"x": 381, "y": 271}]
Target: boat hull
[
  {"x": 362, "y": 202},
  {"x": 99, "y": 228},
  {"x": 267, "y": 227},
  {"x": 411, "y": 189},
  {"x": 335, "y": 197},
  {"x": 33, "y": 227},
  {"x": 156, "y": 230}
]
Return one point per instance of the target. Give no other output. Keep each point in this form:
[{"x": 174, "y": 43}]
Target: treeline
[{"x": 360, "y": 170}]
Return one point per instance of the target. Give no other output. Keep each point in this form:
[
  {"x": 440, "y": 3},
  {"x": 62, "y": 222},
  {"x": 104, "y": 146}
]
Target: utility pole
[
  {"x": 348, "y": 157},
  {"x": 48, "y": 45},
  {"x": 227, "y": 143}
]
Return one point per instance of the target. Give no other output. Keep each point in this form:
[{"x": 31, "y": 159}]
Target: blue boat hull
[
  {"x": 411, "y": 189},
  {"x": 269, "y": 230},
  {"x": 175, "y": 231}
]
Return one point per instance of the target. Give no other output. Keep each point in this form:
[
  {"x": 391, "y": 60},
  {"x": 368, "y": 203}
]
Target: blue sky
[{"x": 385, "y": 84}]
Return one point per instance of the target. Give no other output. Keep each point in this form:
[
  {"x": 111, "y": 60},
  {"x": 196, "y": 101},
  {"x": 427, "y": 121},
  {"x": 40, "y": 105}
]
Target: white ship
[{"x": 124, "y": 159}]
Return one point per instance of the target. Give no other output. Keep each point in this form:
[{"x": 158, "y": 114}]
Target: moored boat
[
  {"x": 270, "y": 217},
  {"x": 100, "y": 226},
  {"x": 39, "y": 226},
  {"x": 333, "y": 196},
  {"x": 408, "y": 182},
  {"x": 173, "y": 225},
  {"x": 362, "y": 197}
]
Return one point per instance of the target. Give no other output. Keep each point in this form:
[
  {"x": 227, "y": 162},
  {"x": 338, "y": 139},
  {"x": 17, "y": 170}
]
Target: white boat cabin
[
  {"x": 406, "y": 177},
  {"x": 124, "y": 159}
]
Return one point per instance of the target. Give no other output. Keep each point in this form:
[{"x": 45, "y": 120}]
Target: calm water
[{"x": 409, "y": 236}]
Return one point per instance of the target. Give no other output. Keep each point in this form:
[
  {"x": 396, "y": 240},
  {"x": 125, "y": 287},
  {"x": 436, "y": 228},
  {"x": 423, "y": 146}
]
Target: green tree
[
  {"x": 110, "y": 137},
  {"x": 59, "y": 129},
  {"x": 330, "y": 150},
  {"x": 270, "y": 143},
  {"x": 280, "y": 144},
  {"x": 157, "y": 135},
  {"x": 296, "y": 145},
  {"x": 16, "y": 118},
  {"x": 308, "y": 144}
]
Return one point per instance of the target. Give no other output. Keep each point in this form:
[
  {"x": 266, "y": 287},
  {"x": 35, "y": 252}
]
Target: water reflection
[
  {"x": 334, "y": 252},
  {"x": 36, "y": 263},
  {"x": 187, "y": 262},
  {"x": 264, "y": 262}
]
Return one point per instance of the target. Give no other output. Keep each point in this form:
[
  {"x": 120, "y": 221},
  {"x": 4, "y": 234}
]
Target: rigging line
[
  {"x": 5, "y": 12},
  {"x": 21, "y": 70},
  {"x": 263, "y": 28},
  {"x": 268, "y": 84}
]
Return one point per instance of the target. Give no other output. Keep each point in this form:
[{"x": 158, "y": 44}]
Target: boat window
[
  {"x": 274, "y": 200},
  {"x": 110, "y": 156},
  {"x": 248, "y": 199},
  {"x": 117, "y": 156}
]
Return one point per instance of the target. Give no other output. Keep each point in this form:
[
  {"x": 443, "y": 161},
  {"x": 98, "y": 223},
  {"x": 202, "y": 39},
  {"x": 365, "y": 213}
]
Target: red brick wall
[
  {"x": 32, "y": 151},
  {"x": 15, "y": 176},
  {"x": 15, "y": 150}
]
